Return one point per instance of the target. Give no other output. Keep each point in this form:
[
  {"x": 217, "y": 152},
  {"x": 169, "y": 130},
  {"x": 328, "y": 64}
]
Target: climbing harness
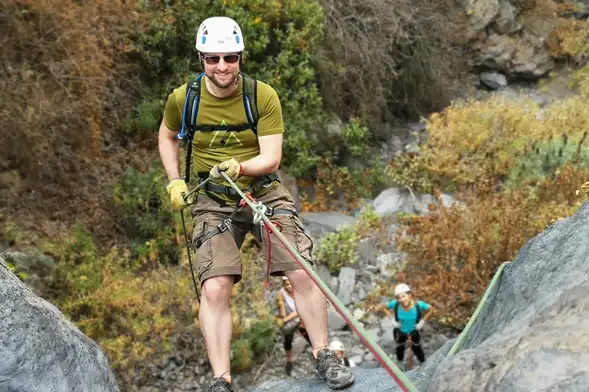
[
  {"x": 496, "y": 278},
  {"x": 190, "y": 114}
]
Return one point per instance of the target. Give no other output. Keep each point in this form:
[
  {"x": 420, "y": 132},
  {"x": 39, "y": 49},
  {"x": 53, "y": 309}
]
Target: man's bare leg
[
  {"x": 311, "y": 306},
  {"x": 216, "y": 323}
]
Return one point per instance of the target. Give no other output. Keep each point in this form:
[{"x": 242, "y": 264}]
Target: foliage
[
  {"x": 342, "y": 188},
  {"x": 62, "y": 78},
  {"x": 570, "y": 39},
  {"x": 407, "y": 170},
  {"x": 255, "y": 343},
  {"x": 455, "y": 251},
  {"x": 546, "y": 159},
  {"x": 338, "y": 249},
  {"x": 133, "y": 311},
  {"x": 242, "y": 355},
  {"x": 405, "y": 54},
  {"x": 145, "y": 214},
  {"x": 483, "y": 142},
  {"x": 355, "y": 137},
  {"x": 580, "y": 80}
]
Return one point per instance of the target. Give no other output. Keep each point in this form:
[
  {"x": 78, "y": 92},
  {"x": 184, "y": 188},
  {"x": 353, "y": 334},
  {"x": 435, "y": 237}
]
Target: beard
[{"x": 225, "y": 85}]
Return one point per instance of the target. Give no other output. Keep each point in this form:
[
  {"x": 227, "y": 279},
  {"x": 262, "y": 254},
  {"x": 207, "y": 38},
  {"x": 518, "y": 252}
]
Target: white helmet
[
  {"x": 401, "y": 288},
  {"x": 219, "y": 34},
  {"x": 336, "y": 345}
]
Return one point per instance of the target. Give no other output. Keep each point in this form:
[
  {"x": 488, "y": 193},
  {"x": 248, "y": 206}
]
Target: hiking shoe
[
  {"x": 332, "y": 369},
  {"x": 219, "y": 384},
  {"x": 288, "y": 369}
]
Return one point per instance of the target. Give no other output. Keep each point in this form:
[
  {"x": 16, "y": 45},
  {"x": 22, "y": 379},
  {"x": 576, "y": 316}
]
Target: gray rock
[
  {"x": 388, "y": 263},
  {"x": 533, "y": 332},
  {"x": 325, "y": 275},
  {"x": 496, "y": 53},
  {"x": 494, "y": 80},
  {"x": 317, "y": 224},
  {"x": 42, "y": 351},
  {"x": 506, "y": 20},
  {"x": 393, "y": 200},
  {"x": 362, "y": 294},
  {"x": 373, "y": 380},
  {"x": 357, "y": 359},
  {"x": 481, "y": 14},
  {"x": 367, "y": 250},
  {"x": 359, "y": 313},
  {"x": 347, "y": 279},
  {"x": 334, "y": 320}
]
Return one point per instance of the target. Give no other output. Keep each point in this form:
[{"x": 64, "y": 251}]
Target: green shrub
[
  {"x": 144, "y": 120},
  {"x": 262, "y": 337},
  {"x": 79, "y": 268},
  {"x": 144, "y": 212},
  {"x": 338, "y": 249},
  {"x": 546, "y": 159},
  {"x": 242, "y": 355}
]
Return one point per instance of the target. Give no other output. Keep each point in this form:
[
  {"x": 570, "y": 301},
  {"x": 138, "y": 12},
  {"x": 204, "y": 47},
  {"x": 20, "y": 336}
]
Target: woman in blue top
[{"x": 409, "y": 317}]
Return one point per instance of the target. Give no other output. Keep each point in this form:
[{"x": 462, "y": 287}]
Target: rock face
[
  {"x": 532, "y": 334},
  {"x": 40, "y": 350}
]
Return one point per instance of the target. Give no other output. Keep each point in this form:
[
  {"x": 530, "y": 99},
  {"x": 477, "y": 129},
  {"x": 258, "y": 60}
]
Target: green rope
[
  {"x": 494, "y": 281},
  {"x": 397, "y": 374}
]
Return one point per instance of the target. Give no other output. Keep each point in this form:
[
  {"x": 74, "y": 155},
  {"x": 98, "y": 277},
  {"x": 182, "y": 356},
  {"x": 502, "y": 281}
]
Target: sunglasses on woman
[{"x": 229, "y": 59}]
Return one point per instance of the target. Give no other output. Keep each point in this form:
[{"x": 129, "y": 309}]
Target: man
[{"x": 248, "y": 155}]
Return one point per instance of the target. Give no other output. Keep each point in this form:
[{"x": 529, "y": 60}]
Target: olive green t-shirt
[{"x": 211, "y": 148}]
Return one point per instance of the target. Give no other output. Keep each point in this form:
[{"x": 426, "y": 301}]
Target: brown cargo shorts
[{"x": 220, "y": 256}]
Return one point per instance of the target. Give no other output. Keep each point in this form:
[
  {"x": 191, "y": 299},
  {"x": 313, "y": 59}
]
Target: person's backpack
[
  {"x": 417, "y": 307},
  {"x": 190, "y": 114}
]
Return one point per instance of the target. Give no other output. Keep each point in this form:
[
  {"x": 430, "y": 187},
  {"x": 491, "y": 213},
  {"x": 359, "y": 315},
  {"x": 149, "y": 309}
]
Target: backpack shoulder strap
[
  {"x": 418, "y": 309},
  {"x": 191, "y": 104},
  {"x": 396, "y": 311},
  {"x": 250, "y": 101},
  {"x": 189, "y": 116}
]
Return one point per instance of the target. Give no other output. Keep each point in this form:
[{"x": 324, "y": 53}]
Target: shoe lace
[
  {"x": 218, "y": 382},
  {"x": 331, "y": 363}
]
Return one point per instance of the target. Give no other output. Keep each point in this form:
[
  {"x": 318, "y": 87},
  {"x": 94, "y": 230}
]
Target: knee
[
  {"x": 217, "y": 290},
  {"x": 300, "y": 280}
]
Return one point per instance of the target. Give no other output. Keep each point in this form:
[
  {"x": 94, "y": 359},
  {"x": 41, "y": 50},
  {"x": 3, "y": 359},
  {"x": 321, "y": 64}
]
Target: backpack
[
  {"x": 190, "y": 114},
  {"x": 417, "y": 307}
]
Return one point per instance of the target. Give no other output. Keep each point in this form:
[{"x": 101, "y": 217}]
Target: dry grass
[{"x": 384, "y": 59}]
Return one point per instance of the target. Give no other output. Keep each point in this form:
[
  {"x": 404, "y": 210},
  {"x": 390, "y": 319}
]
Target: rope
[
  {"x": 397, "y": 374},
  {"x": 471, "y": 321}
]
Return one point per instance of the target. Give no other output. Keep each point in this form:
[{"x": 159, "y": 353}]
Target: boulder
[
  {"x": 494, "y": 80},
  {"x": 534, "y": 332},
  {"x": 42, "y": 351},
  {"x": 318, "y": 224},
  {"x": 347, "y": 280}
]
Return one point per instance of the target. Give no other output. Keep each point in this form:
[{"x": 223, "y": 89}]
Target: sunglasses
[{"x": 229, "y": 59}]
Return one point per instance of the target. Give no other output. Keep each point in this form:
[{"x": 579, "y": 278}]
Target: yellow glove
[
  {"x": 177, "y": 189},
  {"x": 231, "y": 167}
]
